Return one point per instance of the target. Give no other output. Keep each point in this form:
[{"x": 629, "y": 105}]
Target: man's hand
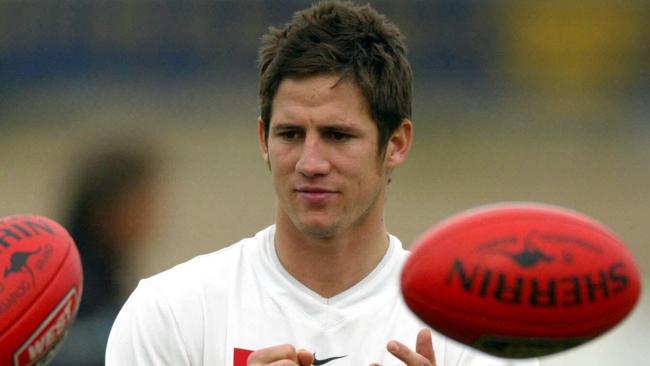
[
  {"x": 423, "y": 355},
  {"x": 283, "y": 355}
]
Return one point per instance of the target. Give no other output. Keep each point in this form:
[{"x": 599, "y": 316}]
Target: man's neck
[{"x": 329, "y": 266}]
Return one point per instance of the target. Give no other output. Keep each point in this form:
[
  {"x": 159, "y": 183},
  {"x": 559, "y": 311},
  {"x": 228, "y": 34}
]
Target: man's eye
[
  {"x": 338, "y": 136},
  {"x": 290, "y": 135}
]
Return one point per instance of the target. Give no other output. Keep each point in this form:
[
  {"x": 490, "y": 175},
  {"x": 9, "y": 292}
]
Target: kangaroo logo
[
  {"x": 529, "y": 256},
  {"x": 18, "y": 263}
]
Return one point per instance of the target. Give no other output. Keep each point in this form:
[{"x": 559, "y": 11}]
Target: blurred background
[{"x": 514, "y": 100}]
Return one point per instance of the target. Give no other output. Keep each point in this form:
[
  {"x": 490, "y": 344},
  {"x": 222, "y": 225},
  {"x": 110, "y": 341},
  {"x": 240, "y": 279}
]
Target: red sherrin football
[
  {"x": 520, "y": 280},
  {"x": 40, "y": 288}
]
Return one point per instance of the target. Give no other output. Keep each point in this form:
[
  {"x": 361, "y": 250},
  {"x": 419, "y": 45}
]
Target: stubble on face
[
  {"x": 337, "y": 226},
  {"x": 359, "y": 169}
]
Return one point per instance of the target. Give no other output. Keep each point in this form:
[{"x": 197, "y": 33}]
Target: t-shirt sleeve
[{"x": 145, "y": 332}]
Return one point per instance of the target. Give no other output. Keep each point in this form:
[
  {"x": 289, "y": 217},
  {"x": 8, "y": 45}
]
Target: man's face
[{"x": 322, "y": 151}]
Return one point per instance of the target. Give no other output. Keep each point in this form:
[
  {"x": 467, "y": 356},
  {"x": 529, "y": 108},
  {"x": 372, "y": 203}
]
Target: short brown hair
[{"x": 347, "y": 39}]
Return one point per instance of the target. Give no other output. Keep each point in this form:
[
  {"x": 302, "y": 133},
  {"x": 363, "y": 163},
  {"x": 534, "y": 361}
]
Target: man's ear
[
  {"x": 262, "y": 139},
  {"x": 399, "y": 144}
]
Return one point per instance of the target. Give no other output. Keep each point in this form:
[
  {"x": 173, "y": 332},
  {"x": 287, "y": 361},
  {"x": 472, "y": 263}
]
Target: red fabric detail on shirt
[{"x": 241, "y": 356}]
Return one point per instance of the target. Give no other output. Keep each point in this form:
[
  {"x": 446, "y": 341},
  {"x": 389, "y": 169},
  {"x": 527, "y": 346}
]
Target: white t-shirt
[{"x": 215, "y": 308}]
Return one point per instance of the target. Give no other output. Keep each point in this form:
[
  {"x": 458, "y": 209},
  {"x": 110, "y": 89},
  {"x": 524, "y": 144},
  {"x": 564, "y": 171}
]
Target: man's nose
[{"x": 313, "y": 160}]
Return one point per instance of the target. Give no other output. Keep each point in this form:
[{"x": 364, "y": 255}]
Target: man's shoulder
[{"x": 208, "y": 270}]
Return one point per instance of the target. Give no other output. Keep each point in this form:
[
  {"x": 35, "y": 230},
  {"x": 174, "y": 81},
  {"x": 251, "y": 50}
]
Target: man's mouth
[{"x": 315, "y": 194}]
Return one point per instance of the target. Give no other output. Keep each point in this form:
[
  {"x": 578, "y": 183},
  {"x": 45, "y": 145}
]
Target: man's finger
[
  {"x": 406, "y": 355},
  {"x": 305, "y": 357},
  {"x": 269, "y": 355},
  {"x": 424, "y": 346}
]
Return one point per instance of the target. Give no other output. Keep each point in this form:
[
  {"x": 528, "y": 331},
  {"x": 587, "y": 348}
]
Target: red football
[
  {"x": 520, "y": 280},
  {"x": 40, "y": 288}
]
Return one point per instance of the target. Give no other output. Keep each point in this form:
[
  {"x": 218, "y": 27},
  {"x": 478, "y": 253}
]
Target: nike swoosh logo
[{"x": 318, "y": 362}]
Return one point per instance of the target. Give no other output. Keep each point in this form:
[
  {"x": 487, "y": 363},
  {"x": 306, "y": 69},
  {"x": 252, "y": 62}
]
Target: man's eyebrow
[
  {"x": 284, "y": 126},
  {"x": 342, "y": 125},
  {"x": 339, "y": 126},
  {"x": 333, "y": 126}
]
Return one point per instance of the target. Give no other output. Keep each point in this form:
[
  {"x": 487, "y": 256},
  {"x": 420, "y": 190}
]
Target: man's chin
[{"x": 319, "y": 230}]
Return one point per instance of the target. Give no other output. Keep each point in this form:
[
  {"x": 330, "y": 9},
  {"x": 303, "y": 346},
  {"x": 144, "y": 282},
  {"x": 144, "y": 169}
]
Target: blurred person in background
[{"x": 111, "y": 209}]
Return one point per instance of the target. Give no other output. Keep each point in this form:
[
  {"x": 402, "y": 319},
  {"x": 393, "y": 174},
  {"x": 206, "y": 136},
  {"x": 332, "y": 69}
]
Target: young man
[{"x": 321, "y": 285}]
